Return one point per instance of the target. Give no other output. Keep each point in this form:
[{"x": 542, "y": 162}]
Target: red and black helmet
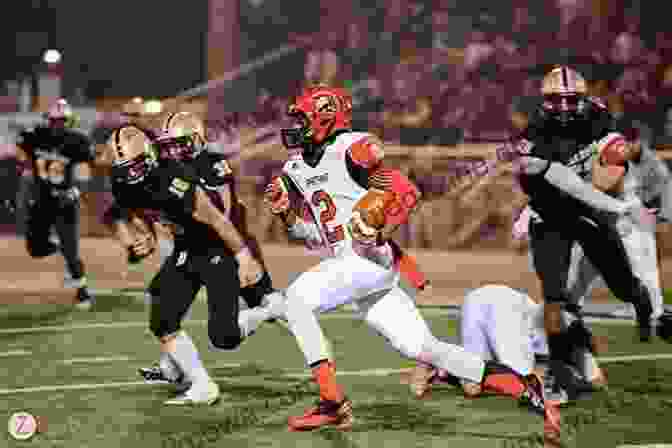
[{"x": 319, "y": 112}]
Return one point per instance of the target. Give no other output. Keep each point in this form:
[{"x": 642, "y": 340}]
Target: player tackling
[{"x": 337, "y": 195}]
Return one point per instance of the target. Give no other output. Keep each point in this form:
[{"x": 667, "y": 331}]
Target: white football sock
[
  {"x": 188, "y": 360},
  {"x": 166, "y": 247},
  {"x": 168, "y": 367}
]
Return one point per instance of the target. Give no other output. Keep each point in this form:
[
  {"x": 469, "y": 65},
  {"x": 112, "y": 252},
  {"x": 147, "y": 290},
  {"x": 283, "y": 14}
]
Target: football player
[
  {"x": 554, "y": 161},
  {"x": 182, "y": 139},
  {"x": 54, "y": 149},
  {"x": 209, "y": 252},
  {"x": 500, "y": 323},
  {"x": 337, "y": 194},
  {"x": 648, "y": 180}
]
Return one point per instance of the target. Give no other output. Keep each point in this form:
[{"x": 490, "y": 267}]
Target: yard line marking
[
  {"x": 14, "y": 353},
  {"x": 289, "y": 374},
  {"x": 630, "y": 358},
  {"x": 430, "y": 312},
  {"x": 99, "y": 359}
]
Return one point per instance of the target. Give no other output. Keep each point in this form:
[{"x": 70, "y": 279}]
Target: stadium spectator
[
  {"x": 407, "y": 117},
  {"x": 478, "y": 50},
  {"x": 662, "y": 124}
]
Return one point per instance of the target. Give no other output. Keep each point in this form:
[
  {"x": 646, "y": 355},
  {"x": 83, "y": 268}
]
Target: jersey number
[{"x": 322, "y": 200}]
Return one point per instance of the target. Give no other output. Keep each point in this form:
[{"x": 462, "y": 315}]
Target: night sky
[{"x": 113, "y": 48}]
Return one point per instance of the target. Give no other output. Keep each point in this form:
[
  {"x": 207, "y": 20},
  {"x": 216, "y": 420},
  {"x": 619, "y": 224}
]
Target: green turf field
[{"x": 79, "y": 374}]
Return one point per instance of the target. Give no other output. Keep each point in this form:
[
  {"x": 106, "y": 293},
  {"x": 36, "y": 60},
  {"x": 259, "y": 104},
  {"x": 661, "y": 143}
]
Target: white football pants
[
  {"x": 640, "y": 244},
  {"x": 381, "y": 302},
  {"x": 498, "y": 323}
]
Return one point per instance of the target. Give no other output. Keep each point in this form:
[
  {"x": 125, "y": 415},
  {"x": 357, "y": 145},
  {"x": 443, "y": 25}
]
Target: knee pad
[{"x": 225, "y": 340}]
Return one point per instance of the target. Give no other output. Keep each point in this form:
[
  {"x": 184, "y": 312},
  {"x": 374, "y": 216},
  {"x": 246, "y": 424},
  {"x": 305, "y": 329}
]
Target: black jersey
[
  {"x": 170, "y": 189},
  {"x": 570, "y": 145},
  {"x": 60, "y": 150}
]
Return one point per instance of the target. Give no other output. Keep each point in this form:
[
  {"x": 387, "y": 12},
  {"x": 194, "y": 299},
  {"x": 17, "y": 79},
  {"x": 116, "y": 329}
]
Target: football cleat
[
  {"x": 154, "y": 375},
  {"x": 533, "y": 395},
  {"x": 83, "y": 300},
  {"x": 197, "y": 396},
  {"x": 625, "y": 312},
  {"x": 664, "y": 327},
  {"x": 324, "y": 413}
]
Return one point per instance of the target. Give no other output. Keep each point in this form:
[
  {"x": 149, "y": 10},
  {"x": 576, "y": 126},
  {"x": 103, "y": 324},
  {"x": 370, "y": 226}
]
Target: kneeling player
[{"x": 502, "y": 324}]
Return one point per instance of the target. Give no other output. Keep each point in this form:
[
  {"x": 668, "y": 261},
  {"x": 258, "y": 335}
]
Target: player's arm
[
  {"x": 277, "y": 197},
  {"x": 25, "y": 144},
  {"x": 204, "y": 211},
  {"x": 218, "y": 180},
  {"x": 528, "y": 163},
  {"x": 391, "y": 197}
]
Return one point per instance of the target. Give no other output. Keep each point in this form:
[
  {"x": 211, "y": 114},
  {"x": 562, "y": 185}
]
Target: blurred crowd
[{"x": 445, "y": 72}]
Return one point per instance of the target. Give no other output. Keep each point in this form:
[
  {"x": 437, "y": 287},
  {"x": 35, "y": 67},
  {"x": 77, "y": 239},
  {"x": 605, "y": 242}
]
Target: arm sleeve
[
  {"x": 568, "y": 181},
  {"x": 406, "y": 192}
]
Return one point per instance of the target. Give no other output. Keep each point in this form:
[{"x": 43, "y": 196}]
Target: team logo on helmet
[{"x": 320, "y": 111}]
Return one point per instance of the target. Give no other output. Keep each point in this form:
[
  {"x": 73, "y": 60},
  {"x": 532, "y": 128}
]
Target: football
[
  {"x": 374, "y": 207},
  {"x": 613, "y": 149}
]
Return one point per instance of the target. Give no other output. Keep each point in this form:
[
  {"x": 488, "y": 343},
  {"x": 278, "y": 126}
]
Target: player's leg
[
  {"x": 582, "y": 277},
  {"x": 67, "y": 229},
  {"x": 604, "y": 247},
  {"x": 219, "y": 272},
  {"x": 331, "y": 283},
  {"x": 395, "y": 316},
  {"x": 473, "y": 333},
  {"x": 507, "y": 324},
  {"x": 640, "y": 245},
  {"x": 177, "y": 292},
  {"x": 40, "y": 219},
  {"x": 551, "y": 251}
]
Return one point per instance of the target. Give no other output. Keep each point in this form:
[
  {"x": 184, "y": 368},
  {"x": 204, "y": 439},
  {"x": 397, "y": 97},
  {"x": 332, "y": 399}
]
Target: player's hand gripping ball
[
  {"x": 609, "y": 167},
  {"x": 276, "y": 195},
  {"x": 370, "y": 216}
]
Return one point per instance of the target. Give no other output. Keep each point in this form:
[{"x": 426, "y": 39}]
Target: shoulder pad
[{"x": 367, "y": 151}]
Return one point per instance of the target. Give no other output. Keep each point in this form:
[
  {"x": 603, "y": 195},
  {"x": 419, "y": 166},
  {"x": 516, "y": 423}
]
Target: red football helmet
[{"x": 319, "y": 112}]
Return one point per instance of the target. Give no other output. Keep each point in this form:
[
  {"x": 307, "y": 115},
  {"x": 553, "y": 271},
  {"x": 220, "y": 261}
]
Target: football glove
[
  {"x": 361, "y": 232},
  {"x": 276, "y": 195}
]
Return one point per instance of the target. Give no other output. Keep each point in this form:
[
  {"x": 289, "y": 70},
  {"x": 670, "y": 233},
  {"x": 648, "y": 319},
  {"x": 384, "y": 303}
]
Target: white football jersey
[
  {"x": 329, "y": 190},
  {"x": 647, "y": 178}
]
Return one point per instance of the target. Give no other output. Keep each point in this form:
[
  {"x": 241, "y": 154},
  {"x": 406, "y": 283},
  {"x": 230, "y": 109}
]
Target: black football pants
[
  {"x": 45, "y": 213},
  {"x": 175, "y": 286},
  {"x": 551, "y": 245}
]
